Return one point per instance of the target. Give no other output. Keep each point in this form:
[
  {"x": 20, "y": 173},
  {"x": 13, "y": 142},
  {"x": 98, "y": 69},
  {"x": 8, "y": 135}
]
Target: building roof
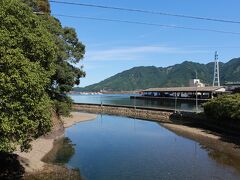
[{"x": 187, "y": 89}]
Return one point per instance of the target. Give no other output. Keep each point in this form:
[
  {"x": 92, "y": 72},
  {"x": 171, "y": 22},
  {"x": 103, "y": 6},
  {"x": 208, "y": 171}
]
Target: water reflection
[
  {"x": 224, "y": 159},
  {"x": 61, "y": 153},
  {"x": 124, "y": 99},
  {"x": 112, "y": 147}
]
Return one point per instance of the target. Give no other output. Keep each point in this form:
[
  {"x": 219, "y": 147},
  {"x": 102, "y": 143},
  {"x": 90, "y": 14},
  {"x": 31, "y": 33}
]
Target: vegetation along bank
[{"x": 37, "y": 55}]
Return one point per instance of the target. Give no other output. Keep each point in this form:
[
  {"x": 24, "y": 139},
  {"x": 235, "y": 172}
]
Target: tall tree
[
  {"x": 36, "y": 70},
  {"x": 70, "y": 52},
  {"x": 27, "y": 63}
]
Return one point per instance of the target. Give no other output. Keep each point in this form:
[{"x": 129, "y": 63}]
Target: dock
[{"x": 202, "y": 94}]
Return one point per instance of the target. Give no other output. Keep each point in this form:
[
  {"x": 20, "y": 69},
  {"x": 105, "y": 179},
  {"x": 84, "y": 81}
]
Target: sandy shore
[
  {"x": 227, "y": 145},
  {"x": 77, "y": 117},
  {"x": 31, "y": 161},
  {"x": 192, "y": 130}
]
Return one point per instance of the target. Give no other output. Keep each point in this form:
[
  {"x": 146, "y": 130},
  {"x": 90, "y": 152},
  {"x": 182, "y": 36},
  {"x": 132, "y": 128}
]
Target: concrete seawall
[
  {"x": 188, "y": 118},
  {"x": 154, "y": 114}
]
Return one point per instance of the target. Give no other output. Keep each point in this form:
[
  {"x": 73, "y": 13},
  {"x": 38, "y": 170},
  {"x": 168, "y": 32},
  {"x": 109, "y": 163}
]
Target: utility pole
[
  {"x": 216, "y": 79},
  {"x": 175, "y": 110},
  {"x": 134, "y": 102},
  {"x": 196, "y": 84}
]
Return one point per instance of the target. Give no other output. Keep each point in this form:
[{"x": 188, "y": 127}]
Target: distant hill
[{"x": 178, "y": 75}]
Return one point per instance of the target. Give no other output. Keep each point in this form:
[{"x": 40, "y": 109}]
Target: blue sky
[{"x": 112, "y": 47}]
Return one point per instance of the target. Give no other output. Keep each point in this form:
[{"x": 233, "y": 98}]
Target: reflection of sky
[
  {"x": 113, "y": 147},
  {"x": 124, "y": 99}
]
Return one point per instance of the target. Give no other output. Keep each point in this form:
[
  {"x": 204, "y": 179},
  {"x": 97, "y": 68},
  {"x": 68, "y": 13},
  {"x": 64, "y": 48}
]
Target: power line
[
  {"x": 147, "y": 12},
  {"x": 147, "y": 24}
]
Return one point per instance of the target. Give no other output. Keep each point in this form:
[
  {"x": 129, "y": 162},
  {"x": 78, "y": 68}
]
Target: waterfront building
[{"x": 182, "y": 93}]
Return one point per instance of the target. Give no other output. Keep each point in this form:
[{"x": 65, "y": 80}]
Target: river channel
[{"x": 115, "y": 147}]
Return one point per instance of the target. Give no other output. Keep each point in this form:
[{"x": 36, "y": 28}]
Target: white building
[{"x": 196, "y": 82}]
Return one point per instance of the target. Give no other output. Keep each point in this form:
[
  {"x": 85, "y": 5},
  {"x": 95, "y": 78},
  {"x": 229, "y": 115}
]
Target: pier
[{"x": 182, "y": 93}]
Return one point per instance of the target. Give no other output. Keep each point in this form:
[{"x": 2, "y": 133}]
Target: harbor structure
[{"x": 182, "y": 93}]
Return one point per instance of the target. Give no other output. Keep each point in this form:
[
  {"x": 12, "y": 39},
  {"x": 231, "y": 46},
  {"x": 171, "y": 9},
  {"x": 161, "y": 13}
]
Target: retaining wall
[{"x": 153, "y": 114}]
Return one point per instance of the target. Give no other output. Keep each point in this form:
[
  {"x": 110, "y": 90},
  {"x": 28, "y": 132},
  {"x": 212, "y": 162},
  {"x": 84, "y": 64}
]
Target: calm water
[
  {"x": 124, "y": 99},
  {"x": 112, "y": 147}
]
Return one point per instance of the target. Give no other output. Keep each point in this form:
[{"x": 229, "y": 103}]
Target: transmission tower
[{"x": 216, "y": 79}]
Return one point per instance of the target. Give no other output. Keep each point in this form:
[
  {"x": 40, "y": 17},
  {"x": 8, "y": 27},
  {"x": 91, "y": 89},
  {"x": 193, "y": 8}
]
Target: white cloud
[{"x": 134, "y": 53}]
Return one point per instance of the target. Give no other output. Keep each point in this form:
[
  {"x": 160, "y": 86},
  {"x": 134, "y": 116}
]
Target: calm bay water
[
  {"x": 114, "y": 147},
  {"x": 124, "y": 99}
]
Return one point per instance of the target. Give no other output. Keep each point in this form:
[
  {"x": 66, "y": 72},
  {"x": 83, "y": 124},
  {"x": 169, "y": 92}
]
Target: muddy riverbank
[{"x": 32, "y": 161}]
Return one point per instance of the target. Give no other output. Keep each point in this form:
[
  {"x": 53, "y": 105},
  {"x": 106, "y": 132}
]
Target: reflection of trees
[
  {"x": 225, "y": 159},
  {"x": 61, "y": 153},
  {"x": 215, "y": 150}
]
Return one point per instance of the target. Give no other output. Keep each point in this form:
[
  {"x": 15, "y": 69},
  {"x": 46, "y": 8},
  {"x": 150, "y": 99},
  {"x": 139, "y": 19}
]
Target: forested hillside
[{"x": 177, "y": 75}]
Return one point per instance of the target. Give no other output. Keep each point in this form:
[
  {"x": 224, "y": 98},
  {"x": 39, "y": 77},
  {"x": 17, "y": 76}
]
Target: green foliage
[
  {"x": 39, "y": 5},
  {"x": 69, "y": 51},
  {"x": 177, "y": 75},
  {"x": 231, "y": 71},
  {"x": 63, "y": 105},
  {"x": 36, "y": 57},
  {"x": 27, "y": 59},
  {"x": 224, "y": 108},
  {"x": 43, "y": 5}
]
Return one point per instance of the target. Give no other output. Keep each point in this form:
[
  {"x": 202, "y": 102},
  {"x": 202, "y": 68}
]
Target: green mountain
[{"x": 177, "y": 75}]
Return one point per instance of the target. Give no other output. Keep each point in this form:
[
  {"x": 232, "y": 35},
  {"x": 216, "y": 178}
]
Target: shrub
[{"x": 224, "y": 108}]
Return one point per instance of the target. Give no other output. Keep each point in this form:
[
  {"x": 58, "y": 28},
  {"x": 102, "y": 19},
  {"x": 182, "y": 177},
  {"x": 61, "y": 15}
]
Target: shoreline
[
  {"x": 32, "y": 161},
  {"x": 205, "y": 132},
  {"x": 209, "y": 139}
]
